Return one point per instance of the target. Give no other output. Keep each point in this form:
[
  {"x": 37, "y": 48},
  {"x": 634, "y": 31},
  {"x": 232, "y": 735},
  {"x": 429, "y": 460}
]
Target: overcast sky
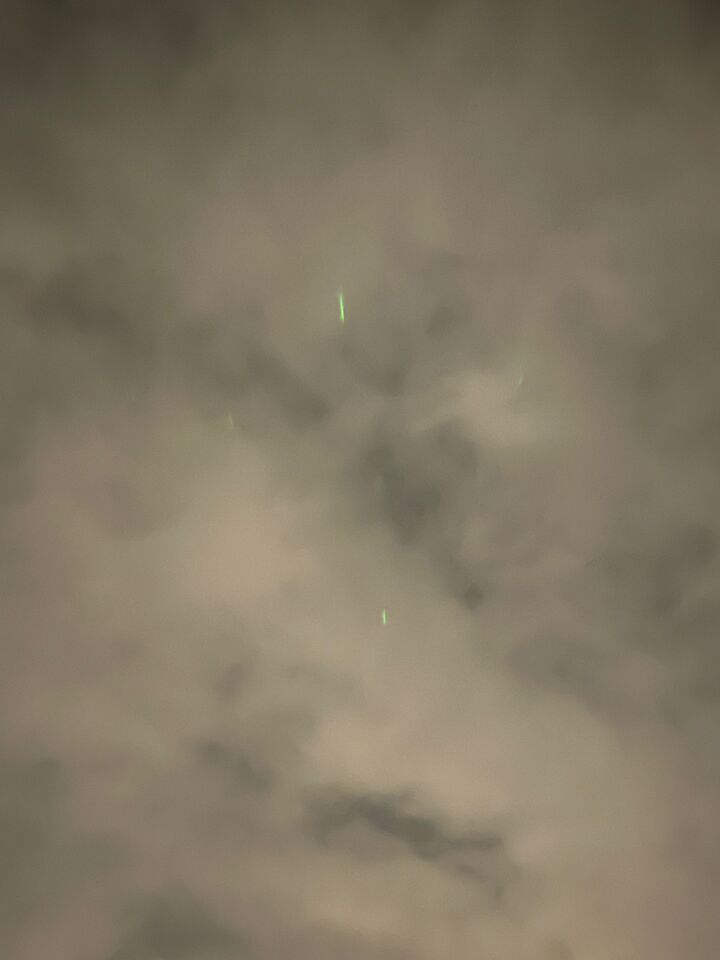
[{"x": 389, "y": 635}]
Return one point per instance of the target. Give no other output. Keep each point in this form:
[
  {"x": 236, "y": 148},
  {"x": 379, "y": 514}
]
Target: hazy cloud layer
[{"x": 211, "y": 745}]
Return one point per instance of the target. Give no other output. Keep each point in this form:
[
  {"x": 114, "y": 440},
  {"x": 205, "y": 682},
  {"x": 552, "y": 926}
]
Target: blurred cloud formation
[{"x": 211, "y": 746}]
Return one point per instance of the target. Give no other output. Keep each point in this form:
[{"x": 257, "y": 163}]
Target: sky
[{"x": 387, "y": 633}]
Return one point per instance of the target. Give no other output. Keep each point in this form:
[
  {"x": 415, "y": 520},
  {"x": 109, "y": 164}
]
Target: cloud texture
[{"x": 211, "y": 746}]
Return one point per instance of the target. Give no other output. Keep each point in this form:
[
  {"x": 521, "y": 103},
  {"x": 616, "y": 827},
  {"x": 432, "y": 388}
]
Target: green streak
[
  {"x": 341, "y": 304},
  {"x": 384, "y": 616}
]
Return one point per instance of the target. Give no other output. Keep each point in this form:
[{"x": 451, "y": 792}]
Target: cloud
[{"x": 212, "y": 743}]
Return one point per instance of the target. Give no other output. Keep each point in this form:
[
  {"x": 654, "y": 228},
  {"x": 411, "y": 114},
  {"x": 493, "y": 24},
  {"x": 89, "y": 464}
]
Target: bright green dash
[
  {"x": 384, "y": 616},
  {"x": 341, "y": 305}
]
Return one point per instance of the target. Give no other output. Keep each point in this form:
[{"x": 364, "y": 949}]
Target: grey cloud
[
  {"x": 211, "y": 488},
  {"x": 234, "y": 764},
  {"x": 174, "y": 924},
  {"x": 31, "y": 798},
  {"x": 480, "y": 855}
]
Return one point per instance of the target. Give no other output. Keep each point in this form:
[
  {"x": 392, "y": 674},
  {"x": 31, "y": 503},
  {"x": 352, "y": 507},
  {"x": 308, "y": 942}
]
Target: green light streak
[
  {"x": 341, "y": 305},
  {"x": 384, "y": 616}
]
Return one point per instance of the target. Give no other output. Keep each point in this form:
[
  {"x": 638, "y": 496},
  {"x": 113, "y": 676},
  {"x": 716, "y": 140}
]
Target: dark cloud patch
[
  {"x": 288, "y": 395},
  {"x": 60, "y": 43},
  {"x": 236, "y": 768},
  {"x": 570, "y": 665},
  {"x": 657, "y": 576},
  {"x": 106, "y": 304},
  {"x": 423, "y": 482},
  {"x": 472, "y": 854},
  {"x": 233, "y": 680},
  {"x": 406, "y": 497},
  {"x": 416, "y": 477},
  {"x": 100, "y": 302},
  {"x": 176, "y": 925},
  {"x": 228, "y": 360},
  {"x": 31, "y": 807},
  {"x": 557, "y": 950}
]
